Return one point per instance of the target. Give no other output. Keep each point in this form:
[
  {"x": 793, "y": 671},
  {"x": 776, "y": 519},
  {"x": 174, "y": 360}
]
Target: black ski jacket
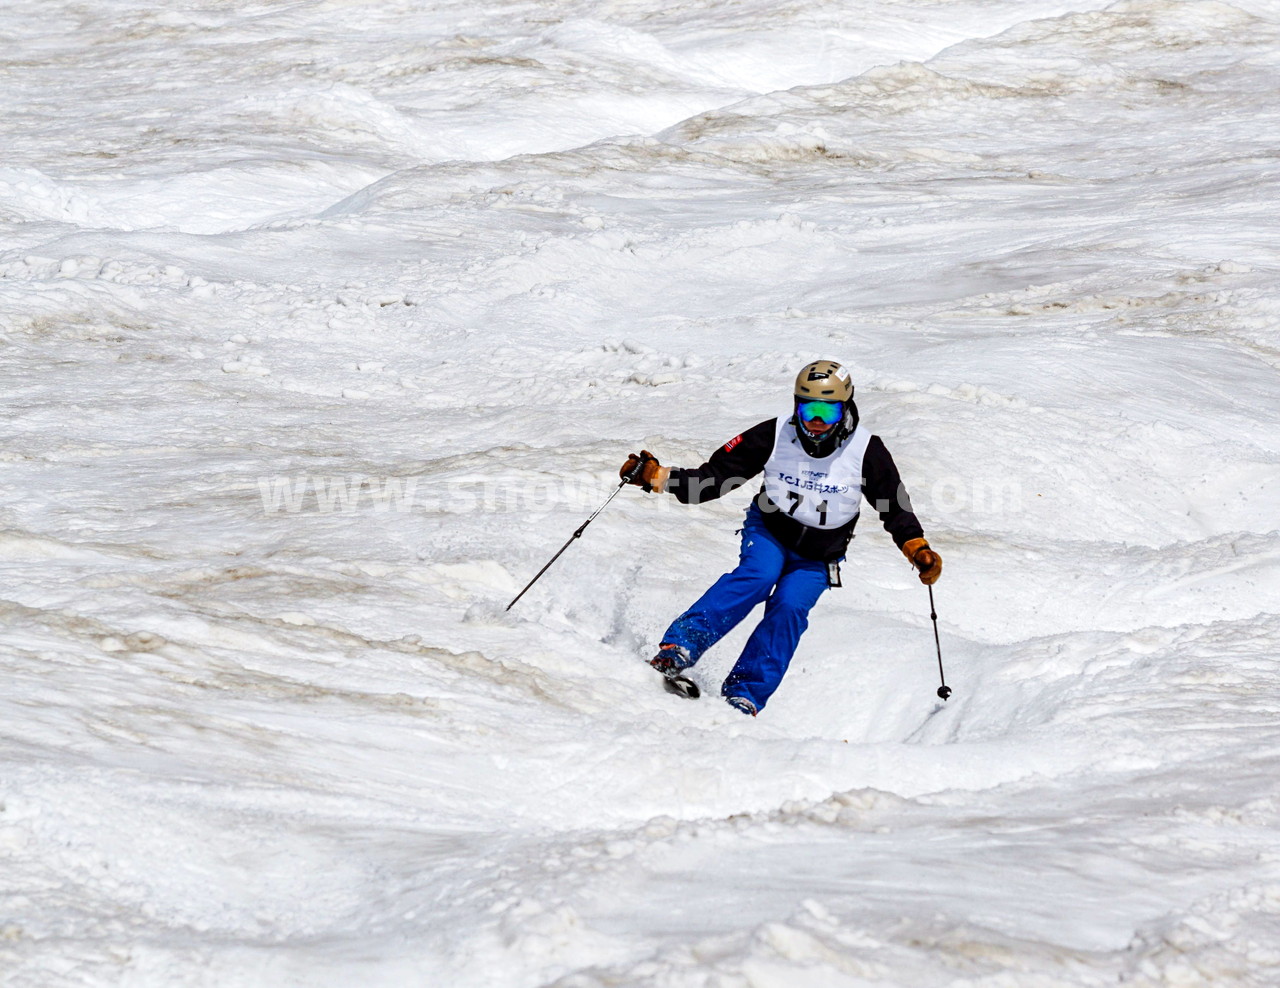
[{"x": 743, "y": 457}]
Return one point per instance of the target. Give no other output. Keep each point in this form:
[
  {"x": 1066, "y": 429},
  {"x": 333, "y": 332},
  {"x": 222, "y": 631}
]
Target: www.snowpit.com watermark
[{"x": 350, "y": 494}]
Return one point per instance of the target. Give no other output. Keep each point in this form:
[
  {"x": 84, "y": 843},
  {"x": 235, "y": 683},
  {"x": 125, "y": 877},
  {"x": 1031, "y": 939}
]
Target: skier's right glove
[
  {"x": 928, "y": 562},
  {"x": 652, "y": 476}
]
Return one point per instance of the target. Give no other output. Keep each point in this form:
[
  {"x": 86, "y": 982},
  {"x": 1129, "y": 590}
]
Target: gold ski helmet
[{"x": 824, "y": 380}]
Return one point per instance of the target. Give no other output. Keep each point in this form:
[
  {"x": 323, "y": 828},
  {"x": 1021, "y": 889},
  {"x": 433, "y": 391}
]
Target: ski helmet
[{"x": 825, "y": 381}]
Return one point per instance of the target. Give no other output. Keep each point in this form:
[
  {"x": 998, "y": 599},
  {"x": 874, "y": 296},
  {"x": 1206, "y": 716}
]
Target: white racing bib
[{"x": 820, "y": 493}]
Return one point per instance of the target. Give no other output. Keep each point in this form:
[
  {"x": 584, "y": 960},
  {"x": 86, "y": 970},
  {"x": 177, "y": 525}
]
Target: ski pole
[
  {"x": 631, "y": 475},
  {"x": 944, "y": 690}
]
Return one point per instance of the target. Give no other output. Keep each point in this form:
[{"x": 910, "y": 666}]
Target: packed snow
[{"x": 324, "y": 324}]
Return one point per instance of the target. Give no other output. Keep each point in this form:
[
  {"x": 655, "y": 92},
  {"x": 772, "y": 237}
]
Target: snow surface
[{"x": 324, "y": 323}]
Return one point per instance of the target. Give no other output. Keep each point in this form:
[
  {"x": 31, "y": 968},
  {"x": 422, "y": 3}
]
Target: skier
[{"x": 818, "y": 463}]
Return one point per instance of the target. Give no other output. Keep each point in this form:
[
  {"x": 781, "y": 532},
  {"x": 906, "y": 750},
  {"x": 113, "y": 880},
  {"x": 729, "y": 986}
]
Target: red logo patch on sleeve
[{"x": 728, "y": 447}]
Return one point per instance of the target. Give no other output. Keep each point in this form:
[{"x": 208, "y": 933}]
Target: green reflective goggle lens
[{"x": 829, "y": 412}]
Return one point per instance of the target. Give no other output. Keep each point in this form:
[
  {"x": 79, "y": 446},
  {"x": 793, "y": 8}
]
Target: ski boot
[{"x": 671, "y": 661}]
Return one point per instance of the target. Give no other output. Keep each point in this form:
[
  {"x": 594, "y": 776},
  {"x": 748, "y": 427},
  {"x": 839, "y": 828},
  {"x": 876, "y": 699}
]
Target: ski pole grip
[{"x": 636, "y": 470}]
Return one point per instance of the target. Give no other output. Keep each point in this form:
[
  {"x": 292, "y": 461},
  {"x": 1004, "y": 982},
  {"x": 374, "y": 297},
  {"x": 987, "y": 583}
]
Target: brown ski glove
[
  {"x": 651, "y": 475},
  {"x": 928, "y": 562}
]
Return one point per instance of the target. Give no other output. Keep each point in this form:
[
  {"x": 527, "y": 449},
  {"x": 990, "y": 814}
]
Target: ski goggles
[{"x": 829, "y": 412}]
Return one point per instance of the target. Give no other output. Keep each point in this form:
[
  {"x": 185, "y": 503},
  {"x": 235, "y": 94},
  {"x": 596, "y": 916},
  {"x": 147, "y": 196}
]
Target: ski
[{"x": 681, "y": 686}]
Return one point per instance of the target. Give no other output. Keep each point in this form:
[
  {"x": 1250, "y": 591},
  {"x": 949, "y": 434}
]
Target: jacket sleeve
[
  {"x": 883, "y": 488},
  {"x": 729, "y": 467}
]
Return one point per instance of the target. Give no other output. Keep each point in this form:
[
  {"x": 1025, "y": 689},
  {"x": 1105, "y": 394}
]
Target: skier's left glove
[
  {"x": 652, "y": 475},
  {"x": 928, "y": 562}
]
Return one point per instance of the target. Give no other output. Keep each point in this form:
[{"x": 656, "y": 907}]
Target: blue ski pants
[{"x": 788, "y": 584}]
